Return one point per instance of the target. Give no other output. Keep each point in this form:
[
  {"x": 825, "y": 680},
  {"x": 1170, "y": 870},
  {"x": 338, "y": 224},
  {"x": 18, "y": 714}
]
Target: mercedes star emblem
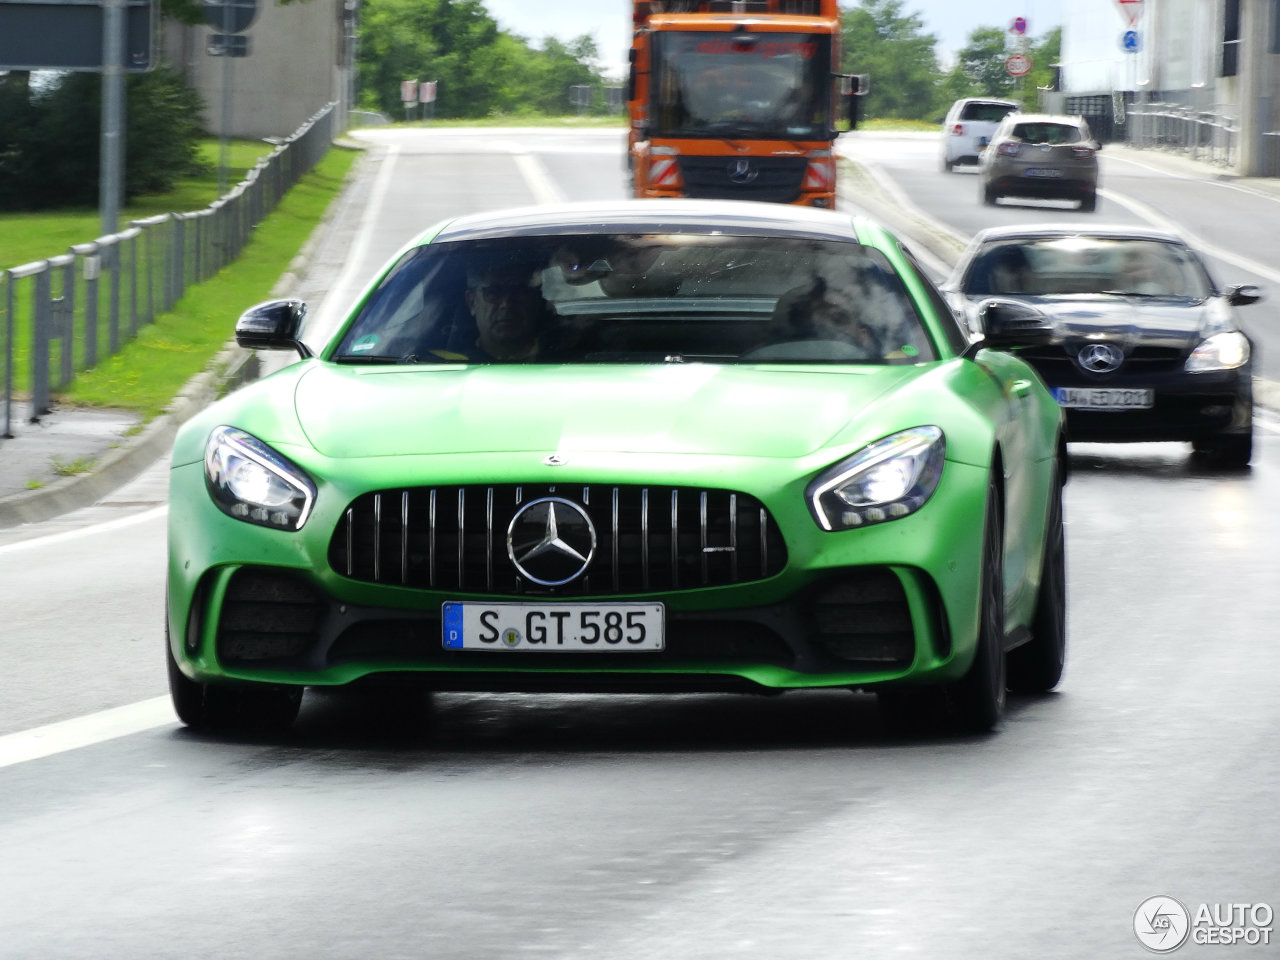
[
  {"x": 551, "y": 541},
  {"x": 1100, "y": 357}
]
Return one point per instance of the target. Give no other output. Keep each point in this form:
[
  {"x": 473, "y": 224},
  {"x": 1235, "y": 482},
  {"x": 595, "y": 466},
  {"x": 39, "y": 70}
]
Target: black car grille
[
  {"x": 1060, "y": 363},
  {"x": 771, "y": 179},
  {"x": 267, "y": 615},
  {"x": 647, "y": 539}
]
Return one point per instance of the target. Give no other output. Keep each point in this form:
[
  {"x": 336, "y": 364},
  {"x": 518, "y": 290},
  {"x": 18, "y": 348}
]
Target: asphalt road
[{"x": 632, "y": 827}]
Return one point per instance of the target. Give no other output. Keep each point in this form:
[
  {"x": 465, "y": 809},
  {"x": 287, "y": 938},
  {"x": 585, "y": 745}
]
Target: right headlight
[
  {"x": 1222, "y": 351},
  {"x": 885, "y": 480},
  {"x": 251, "y": 482}
]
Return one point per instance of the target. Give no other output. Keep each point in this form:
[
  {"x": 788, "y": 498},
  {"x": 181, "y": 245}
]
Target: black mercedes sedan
[{"x": 1147, "y": 346}]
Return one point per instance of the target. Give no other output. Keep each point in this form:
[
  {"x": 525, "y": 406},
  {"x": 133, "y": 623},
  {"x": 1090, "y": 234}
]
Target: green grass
[
  {"x": 151, "y": 369},
  {"x": 27, "y": 237}
]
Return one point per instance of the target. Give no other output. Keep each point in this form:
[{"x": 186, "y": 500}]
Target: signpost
[
  {"x": 230, "y": 17},
  {"x": 1131, "y": 10},
  {"x": 1019, "y": 65}
]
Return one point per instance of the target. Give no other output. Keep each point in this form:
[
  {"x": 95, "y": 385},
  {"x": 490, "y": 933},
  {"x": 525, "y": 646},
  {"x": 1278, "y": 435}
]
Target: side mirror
[
  {"x": 1010, "y": 323},
  {"x": 1240, "y": 294},
  {"x": 273, "y": 325}
]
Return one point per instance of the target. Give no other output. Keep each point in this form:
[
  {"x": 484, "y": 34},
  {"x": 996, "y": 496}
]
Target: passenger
[
  {"x": 1141, "y": 271},
  {"x": 814, "y": 312},
  {"x": 1010, "y": 272}
]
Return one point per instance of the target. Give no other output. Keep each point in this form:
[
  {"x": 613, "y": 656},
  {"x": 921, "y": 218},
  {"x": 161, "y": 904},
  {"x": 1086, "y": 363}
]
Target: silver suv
[{"x": 968, "y": 126}]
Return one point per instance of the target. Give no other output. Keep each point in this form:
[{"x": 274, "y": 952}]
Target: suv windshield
[
  {"x": 986, "y": 112},
  {"x": 657, "y": 298},
  {"x": 744, "y": 85}
]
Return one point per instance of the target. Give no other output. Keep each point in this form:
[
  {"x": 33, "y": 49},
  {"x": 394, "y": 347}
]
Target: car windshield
[
  {"x": 1087, "y": 265},
  {"x": 985, "y": 112},
  {"x": 759, "y": 85},
  {"x": 1046, "y": 133},
  {"x": 661, "y": 298}
]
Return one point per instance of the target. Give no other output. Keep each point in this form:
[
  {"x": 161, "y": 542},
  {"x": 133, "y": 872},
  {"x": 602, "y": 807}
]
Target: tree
[
  {"x": 880, "y": 40},
  {"x": 983, "y": 60}
]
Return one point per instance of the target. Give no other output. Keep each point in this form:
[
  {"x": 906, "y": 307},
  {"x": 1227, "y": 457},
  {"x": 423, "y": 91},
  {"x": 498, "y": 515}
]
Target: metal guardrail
[
  {"x": 69, "y": 312},
  {"x": 1209, "y": 137}
]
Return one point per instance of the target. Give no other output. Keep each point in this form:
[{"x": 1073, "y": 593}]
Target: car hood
[
  {"x": 1127, "y": 321},
  {"x": 349, "y": 412}
]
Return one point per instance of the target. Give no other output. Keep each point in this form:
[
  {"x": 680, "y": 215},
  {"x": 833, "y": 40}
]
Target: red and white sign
[
  {"x": 1019, "y": 65},
  {"x": 1019, "y": 26},
  {"x": 1131, "y": 10},
  {"x": 409, "y": 91},
  {"x": 428, "y": 92}
]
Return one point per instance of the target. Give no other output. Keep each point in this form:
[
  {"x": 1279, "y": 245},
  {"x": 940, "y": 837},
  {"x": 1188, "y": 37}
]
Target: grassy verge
[
  {"x": 150, "y": 370},
  {"x": 27, "y": 237}
]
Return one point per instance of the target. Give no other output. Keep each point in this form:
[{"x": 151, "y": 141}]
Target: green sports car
[{"x": 657, "y": 446}]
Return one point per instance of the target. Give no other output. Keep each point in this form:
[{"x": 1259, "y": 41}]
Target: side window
[{"x": 953, "y": 327}]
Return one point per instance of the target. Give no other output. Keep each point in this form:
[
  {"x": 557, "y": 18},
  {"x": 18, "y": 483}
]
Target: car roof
[
  {"x": 1073, "y": 119},
  {"x": 650, "y": 216},
  {"x": 1043, "y": 231},
  {"x": 995, "y": 100}
]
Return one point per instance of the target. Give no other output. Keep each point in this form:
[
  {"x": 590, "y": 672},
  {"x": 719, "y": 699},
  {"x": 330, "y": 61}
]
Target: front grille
[
  {"x": 1059, "y": 362},
  {"x": 647, "y": 539},
  {"x": 773, "y": 179}
]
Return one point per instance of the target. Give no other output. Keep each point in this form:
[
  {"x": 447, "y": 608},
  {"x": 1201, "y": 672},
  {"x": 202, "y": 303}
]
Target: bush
[{"x": 50, "y": 137}]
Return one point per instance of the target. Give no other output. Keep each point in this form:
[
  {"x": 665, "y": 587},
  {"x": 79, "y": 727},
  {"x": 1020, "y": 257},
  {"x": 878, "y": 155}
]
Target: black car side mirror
[
  {"x": 273, "y": 325},
  {"x": 1239, "y": 294},
  {"x": 1010, "y": 323}
]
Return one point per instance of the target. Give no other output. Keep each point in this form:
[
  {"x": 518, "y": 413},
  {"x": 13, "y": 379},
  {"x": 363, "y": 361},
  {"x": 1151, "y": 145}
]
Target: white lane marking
[
  {"x": 338, "y": 296},
  {"x": 1205, "y": 247},
  {"x": 85, "y": 731},
  {"x": 103, "y": 527},
  {"x": 536, "y": 176}
]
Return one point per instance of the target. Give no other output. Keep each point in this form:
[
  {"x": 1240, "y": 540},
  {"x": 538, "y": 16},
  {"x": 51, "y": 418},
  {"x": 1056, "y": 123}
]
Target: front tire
[
  {"x": 1036, "y": 666},
  {"x": 1231, "y": 451},
  {"x": 1089, "y": 203},
  {"x": 978, "y": 697},
  {"x": 201, "y": 706}
]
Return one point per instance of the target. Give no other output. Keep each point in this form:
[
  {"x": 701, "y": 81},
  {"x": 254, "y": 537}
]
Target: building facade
[
  {"x": 300, "y": 57},
  {"x": 1199, "y": 76}
]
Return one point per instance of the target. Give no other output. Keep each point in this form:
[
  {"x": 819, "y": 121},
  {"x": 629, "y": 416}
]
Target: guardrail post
[
  {"x": 40, "y": 335},
  {"x": 62, "y": 316},
  {"x": 8, "y": 356}
]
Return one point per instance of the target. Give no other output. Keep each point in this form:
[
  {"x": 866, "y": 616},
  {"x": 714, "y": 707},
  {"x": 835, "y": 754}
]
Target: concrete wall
[{"x": 298, "y": 61}]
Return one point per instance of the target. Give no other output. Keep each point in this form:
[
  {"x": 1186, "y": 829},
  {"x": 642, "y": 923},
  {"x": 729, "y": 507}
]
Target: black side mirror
[
  {"x": 1239, "y": 294},
  {"x": 1010, "y": 323},
  {"x": 273, "y": 325}
]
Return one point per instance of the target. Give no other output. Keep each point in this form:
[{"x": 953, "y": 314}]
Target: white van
[{"x": 968, "y": 126}]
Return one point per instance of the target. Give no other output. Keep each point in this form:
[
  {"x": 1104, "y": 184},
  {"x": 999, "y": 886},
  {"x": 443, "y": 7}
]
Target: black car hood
[{"x": 1127, "y": 321}]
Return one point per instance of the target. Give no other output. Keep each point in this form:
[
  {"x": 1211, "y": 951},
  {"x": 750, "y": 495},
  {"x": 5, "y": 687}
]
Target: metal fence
[
  {"x": 67, "y": 313},
  {"x": 1200, "y": 135}
]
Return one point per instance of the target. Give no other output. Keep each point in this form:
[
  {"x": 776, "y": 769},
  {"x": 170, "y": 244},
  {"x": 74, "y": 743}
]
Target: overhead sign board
[{"x": 67, "y": 35}]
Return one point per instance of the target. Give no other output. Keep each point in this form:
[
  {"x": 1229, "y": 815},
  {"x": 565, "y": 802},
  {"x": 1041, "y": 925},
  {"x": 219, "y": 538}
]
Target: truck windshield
[{"x": 741, "y": 85}]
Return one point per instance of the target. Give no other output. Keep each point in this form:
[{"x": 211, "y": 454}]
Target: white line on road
[
  {"x": 85, "y": 531},
  {"x": 85, "y": 731}
]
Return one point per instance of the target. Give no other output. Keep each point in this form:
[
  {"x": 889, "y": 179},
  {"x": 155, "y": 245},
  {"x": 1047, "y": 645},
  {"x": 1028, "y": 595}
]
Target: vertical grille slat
[{"x": 456, "y": 537}]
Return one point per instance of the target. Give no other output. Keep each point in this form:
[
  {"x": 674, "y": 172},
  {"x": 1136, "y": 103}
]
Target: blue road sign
[{"x": 1131, "y": 42}]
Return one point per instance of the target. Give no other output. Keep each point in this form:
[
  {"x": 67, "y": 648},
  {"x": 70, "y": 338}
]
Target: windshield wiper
[{"x": 371, "y": 359}]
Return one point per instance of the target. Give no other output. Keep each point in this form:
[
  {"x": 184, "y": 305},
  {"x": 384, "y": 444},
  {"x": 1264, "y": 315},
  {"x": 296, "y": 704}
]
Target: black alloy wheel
[{"x": 978, "y": 697}]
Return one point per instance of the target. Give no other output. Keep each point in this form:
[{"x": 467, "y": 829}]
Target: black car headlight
[
  {"x": 886, "y": 480},
  {"x": 1221, "y": 351},
  {"x": 251, "y": 482}
]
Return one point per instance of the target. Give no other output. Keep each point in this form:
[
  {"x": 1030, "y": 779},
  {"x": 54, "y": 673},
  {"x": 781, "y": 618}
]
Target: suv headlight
[
  {"x": 1222, "y": 351},
  {"x": 251, "y": 482},
  {"x": 886, "y": 480}
]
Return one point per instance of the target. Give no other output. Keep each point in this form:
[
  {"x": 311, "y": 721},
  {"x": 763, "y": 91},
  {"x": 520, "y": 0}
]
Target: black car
[{"x": 1147, "y": 345}]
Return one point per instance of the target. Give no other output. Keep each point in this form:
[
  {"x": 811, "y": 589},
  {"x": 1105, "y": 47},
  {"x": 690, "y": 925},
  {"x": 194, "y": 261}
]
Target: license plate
[
  {"x": 1048, "y": 172},
  {"x": 554, "y": 627},
  {"x": 1103, "y": 398}
]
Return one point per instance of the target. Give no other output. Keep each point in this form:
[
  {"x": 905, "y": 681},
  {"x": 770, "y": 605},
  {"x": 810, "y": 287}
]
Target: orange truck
[{"x": 737, "y": 99}]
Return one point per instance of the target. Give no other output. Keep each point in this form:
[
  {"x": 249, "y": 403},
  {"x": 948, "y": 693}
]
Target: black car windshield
[
  {"x": 662, "y": 298},
  {"x": 1070, "y": 266},
  {"x": 741, "y": 85}
]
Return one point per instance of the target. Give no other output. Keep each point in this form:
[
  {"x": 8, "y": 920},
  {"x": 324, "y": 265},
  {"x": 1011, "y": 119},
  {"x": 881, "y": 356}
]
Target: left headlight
[
  {"x": 886, "y": 480},
  {"x": 1222, "y": 351},
  {"x": 251, "y": 482}
]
